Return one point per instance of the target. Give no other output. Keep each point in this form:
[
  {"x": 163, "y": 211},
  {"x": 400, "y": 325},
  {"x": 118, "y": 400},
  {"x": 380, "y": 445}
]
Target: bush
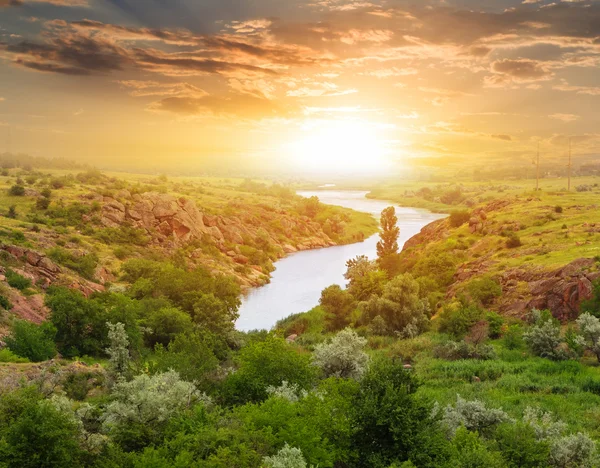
[
  {"x": 343, "y": 357},
  {"x": 454, "y": 351},
  {"x": 472, "y": 415},
  {"x": 544, "y": 340},
  {"x": 558, "y": 209},
  {"x": 6, "y": 355},
  {"x": 31, "y": 341},
  {"x": 42, "y": 203},
  {"x": 520, "y": 447},
  {"x": 459, "y": 217},
  {"x": 263, "y": 364},
  {"x": 15, "y": 280},
  {"x": 484, "y": 290},
  {"x": 16, "y": 191},
  {"x": 85, "y": 265},
  {"x": 5, "y": 303},
  {"x": 513, "y": 241},
  {"x": 287, "y": 457},
  {"x": 458, "y": 318}
]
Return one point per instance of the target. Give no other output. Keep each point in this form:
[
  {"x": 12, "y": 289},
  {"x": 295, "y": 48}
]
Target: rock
[
  {"x": 291, "y": 338},
  {"x": 475, "y": 379},
  {"x": 407, "y": 367},
  {"x": 241, "y": 259}
]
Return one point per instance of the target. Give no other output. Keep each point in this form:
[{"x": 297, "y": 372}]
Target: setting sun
[{"x": 339, "y": 146}]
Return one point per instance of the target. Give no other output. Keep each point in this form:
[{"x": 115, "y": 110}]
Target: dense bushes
[
  {"x": 84, "y": 264},
  {"x": 31, "y": 341},
  {"x": 459, "y": 217}
]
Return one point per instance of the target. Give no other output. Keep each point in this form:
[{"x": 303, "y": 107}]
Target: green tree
[
  {"x": 387, "y": 247},
  {"x": 338, "y": 305},
  {"x": 391, "y": 424},
  {"x": 364, "y": 277},
  {"x": 35, "y": 434},
  {"x": 520, "y": 448},
  {"x": 167, "y": 323},
  {"x": 31, "y": 341},
  {"x": 267, "y": 363}
]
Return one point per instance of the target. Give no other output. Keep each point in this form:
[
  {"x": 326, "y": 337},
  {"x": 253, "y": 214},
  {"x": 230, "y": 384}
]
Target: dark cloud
[
  {"x": 244, "y": 106},
  {"x": 64, "y": 3},
  {"x": 502, "y": 137},
  {"x": 521, "y": 69}
]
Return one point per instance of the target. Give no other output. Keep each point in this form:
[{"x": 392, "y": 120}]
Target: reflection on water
[{"x": 297, "y": 282}]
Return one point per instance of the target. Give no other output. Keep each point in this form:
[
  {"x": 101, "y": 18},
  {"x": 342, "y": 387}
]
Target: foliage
[
  {"x": 472, "y": 415},
  {"x": 400, "y": 305},
  {"x": 165, "y": 324},
  {"x": 287, "y": 457},
  {"x": 263, "y": 364},
  {"x": 544, "y": 339},
  {"x": 387, "y": 247},
  {"x": 6, "y": 355},
  {"x": 84, "y": 264},
  {"x": 391, "y": 425},
  {"x": 338, "y": 304},
  {"x": 16, "y": 191},
  {"x": 459, "y": 317},
  {"x": 577, "y": 450},
  {"x": 35, "y": 434},
  {"x": 513, "y": 241},
  {"x": 31, "y": 341},
  {"x": 343, "y": 357},
  {"x": 188, "y": 354},
  {"x": 520, "y": 447},
  {"x": 17, "y": 281},
  {"x": 459, "y": 217},
  {"x": 590, "y": 329},
  {"x": 593, "y": 304},
  {"x": 364, "y": 277},
  {"x": 453, "y": 351},
  {"x": 118, "y": 351},
  {"x": 140, "y": 409},
  {"x": 484, "y": 290}
]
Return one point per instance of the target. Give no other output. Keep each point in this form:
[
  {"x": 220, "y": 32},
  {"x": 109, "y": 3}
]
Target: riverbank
[{"x": 298, "y": 279}]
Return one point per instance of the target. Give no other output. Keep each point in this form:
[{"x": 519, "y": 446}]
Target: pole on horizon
[
  {"x": 570, "y": 165},
  {"x": 537, "y": 182}
]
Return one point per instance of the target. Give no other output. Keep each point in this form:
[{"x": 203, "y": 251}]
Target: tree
[
  {"x": 365, "y": 278},
  {"x": 17, "y": 191},
  {"x": 118, "y": 351},
  {"x": 31, "y": 341},
  {"x": 166, "y": 323},
  {"x": 391, "y": 424},
  {"x": 387, "y": 247},
  {"x": 343, "y": 357},
  {"x": 338, "y": 304},
  {"x": 35, "y": 434},
  {"x": 12, "y": 212},
  {"x": 590, "y": 329},
  {"x": 263, "y": 364},
  {"x": 141, "y": 408},
  {"x": 400, "y": 306}
]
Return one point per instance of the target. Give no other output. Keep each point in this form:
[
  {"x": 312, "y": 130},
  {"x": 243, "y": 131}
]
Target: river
[{"x": 298, "y": 280}]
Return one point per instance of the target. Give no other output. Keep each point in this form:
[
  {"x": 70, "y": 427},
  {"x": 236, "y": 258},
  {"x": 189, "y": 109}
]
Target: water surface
[{"x": 298, "y": 280}]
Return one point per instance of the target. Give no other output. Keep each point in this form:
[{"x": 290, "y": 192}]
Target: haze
[{"x": 331, "y": 86}]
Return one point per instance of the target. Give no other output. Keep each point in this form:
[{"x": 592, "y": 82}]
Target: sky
[{"x": 303, "y": 85}]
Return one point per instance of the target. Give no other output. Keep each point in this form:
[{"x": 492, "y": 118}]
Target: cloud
[
  {"x": 517, "y": 71},
  {"x": 242, "y": 106},
  {"x": 63, "y": 3},
  {"x": 502, "y": 137},
  {"x": 589, "y": 90},
  {"x": 138, "y": 88},
  {"x": 565, "y": 117}
]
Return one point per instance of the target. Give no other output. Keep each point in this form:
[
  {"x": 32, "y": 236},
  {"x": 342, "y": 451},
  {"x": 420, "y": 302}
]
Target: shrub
[
  {"x": 484, "y": 290},
  {"x": 141, "y": 408},
  {"x": 287, "y": 457},
  {"x": 513, "y": 241},
  {"x": 459, "y": 217},
  {"x": 544, "y": 340},
  {"x": 5, "y": 303},
  {"x": 16, "y": 191},
  {"x": 42, "y": 203},
  {"x": 520, "y": 447},
  {"x": 577, "y": 450},
  {"x": 263, "y": 364},
  {"x": 458, "y": 318},
  {"x": 85, "y": 265},
  {"x": 6, "y": 355},
  {"x": 12, "y": 212},
  {"x": 558, "y": 209},
  {"x": 390, "y": 424},
  {"x": 513, "y": 338},
  {"x": 590, "y": 329},
  {"x": 472, "y": 415},
  {"x": 15, "y": 280},
  {"x": 31, "y": 341},
  {"x": 454, "y": 351},
  {"x": 343, "y": 356},
  {"x": 495, "y": 323}
]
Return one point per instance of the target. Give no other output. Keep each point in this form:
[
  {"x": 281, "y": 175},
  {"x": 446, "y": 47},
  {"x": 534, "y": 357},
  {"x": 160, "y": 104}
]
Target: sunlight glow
[{"x": 340, "y": 146}]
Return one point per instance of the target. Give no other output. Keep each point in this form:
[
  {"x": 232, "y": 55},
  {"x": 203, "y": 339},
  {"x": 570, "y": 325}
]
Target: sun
[{"x": 333, "y": 147}]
